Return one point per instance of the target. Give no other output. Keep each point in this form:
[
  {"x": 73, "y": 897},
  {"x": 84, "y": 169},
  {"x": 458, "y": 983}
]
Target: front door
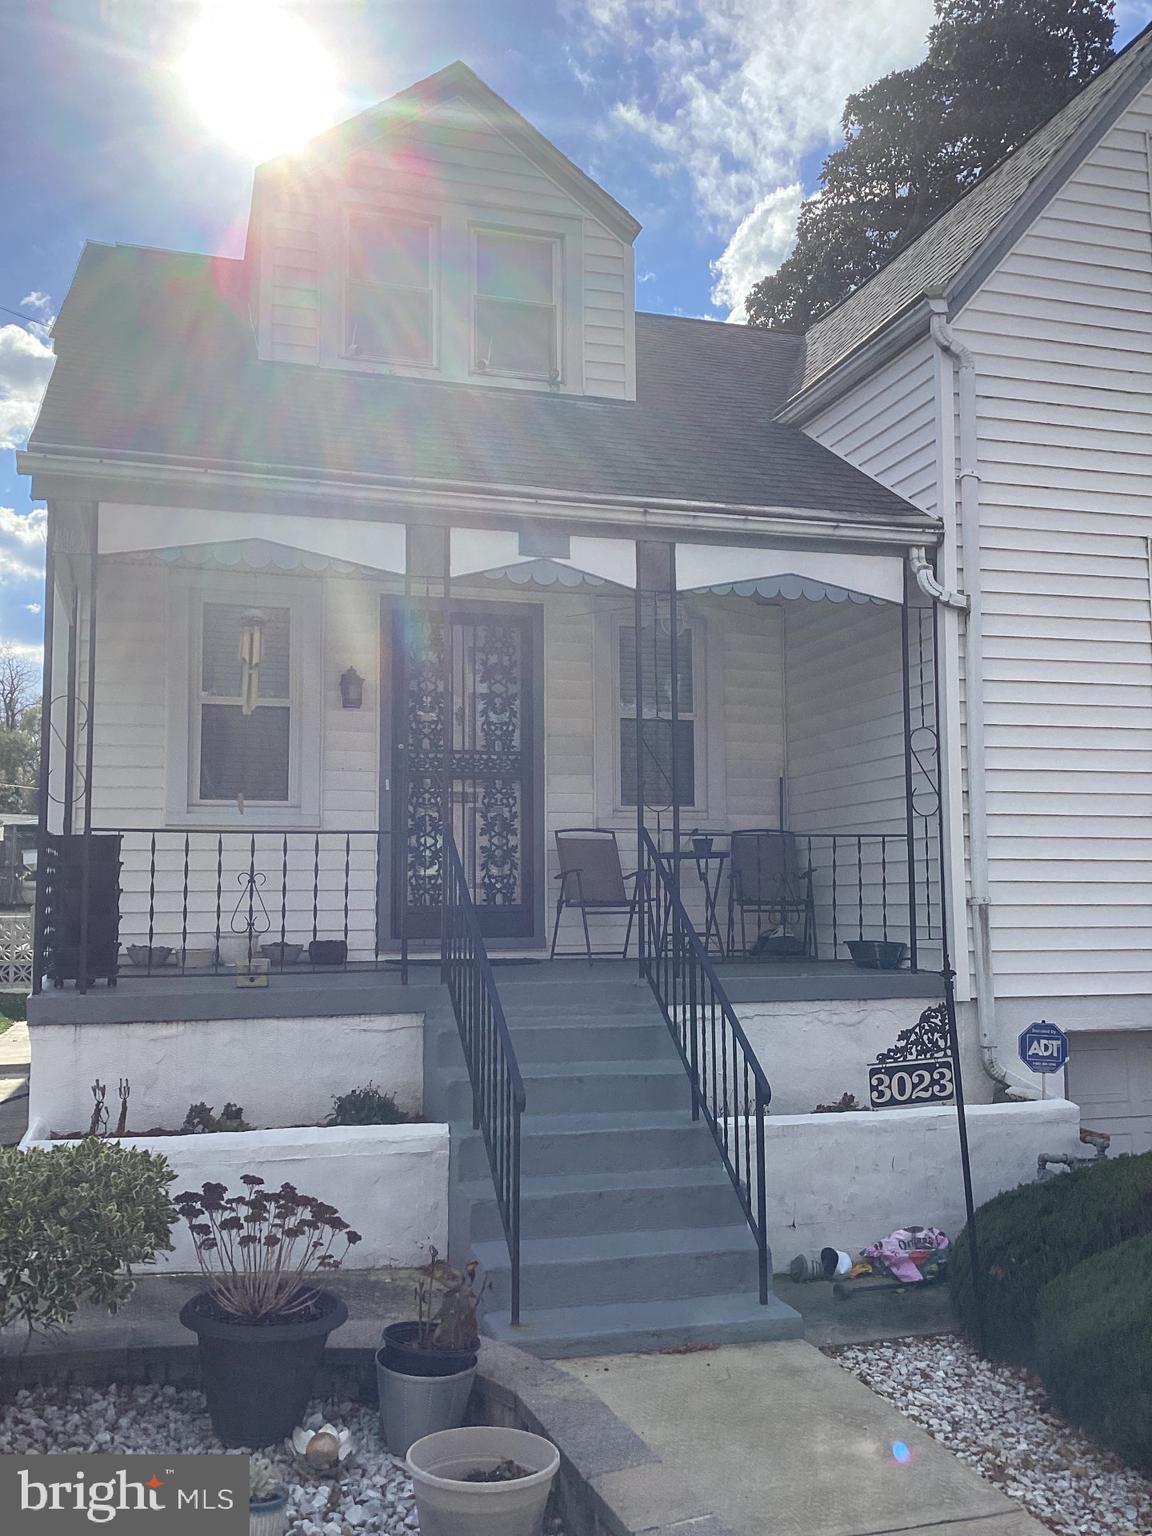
[{"x": 475, "y": 665}]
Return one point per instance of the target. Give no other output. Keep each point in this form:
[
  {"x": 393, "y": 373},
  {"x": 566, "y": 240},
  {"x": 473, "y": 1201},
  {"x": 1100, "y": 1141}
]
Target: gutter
[
  {"x": 968, "y": 474},
  {"x": 508, "y": 502}
]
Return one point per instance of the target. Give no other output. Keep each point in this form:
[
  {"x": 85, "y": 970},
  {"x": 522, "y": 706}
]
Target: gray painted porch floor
[{"x": 296, "y": 992}]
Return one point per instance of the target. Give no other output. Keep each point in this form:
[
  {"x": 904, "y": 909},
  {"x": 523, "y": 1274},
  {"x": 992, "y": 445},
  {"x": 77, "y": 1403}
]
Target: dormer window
[
  {"x": 389, "y": 310},
  {"x": 516, "y": 309}
]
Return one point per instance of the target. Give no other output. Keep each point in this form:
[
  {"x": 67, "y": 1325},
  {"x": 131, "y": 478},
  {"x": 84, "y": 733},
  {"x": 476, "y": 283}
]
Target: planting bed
[
  {"x": 995, "y": 1417},
  {"x": 373, "y": 1498}
]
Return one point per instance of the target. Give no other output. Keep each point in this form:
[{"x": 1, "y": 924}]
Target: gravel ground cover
[
  {"x": 372, "y": 1498},
  {"x": 996, "y": 1418}
]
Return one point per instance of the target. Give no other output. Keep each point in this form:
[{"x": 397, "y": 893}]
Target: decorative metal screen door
[{"x": 488, "y": 686}]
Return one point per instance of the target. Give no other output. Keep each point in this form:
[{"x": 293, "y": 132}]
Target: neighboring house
[
  {"x": 998, "y": 373},
  {"x": 406, "y": 532}
]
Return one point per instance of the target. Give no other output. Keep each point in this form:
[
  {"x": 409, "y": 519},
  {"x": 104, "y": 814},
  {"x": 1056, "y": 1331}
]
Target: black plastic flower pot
[
  {"x": 877, "y": 954},
  {"x": 328, "y": 951},
  {"x": 258, "y": 1377},
  {"x": 401, "y": 1352}
]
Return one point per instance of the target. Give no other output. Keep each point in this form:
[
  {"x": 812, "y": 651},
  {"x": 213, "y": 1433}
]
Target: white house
[{"x": 384, "y": 555}]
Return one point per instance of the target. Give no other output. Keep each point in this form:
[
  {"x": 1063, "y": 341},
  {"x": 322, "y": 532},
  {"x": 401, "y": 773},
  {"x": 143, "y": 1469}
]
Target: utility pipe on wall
[{"x": 969, "y": 477}]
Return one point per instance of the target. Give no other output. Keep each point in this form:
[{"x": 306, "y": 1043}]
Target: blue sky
[{"x": 708, "y": 119}]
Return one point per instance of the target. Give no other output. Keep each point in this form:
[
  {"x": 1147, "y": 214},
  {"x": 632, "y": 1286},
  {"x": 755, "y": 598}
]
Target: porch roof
[{"x": 156, "y": 362}]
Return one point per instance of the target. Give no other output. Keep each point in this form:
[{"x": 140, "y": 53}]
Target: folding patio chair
[
  {"x": 766, "y": 878},
  {"x": 592, "y": 880}
]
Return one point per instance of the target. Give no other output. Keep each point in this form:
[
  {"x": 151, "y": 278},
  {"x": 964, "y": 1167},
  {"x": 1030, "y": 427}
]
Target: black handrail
[
  {"x": 497, "y": 1087},
  {"x": 727, "y": 1082}
]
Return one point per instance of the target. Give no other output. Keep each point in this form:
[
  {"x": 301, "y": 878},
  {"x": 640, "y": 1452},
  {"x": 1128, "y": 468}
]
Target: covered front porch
[{"x": 218, "y": 820}]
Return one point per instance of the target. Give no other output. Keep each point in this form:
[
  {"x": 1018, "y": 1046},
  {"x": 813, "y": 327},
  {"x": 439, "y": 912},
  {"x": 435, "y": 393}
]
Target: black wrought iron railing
[
  {"x": 201, "y": 901},
  {"x": 872, "y": 885},
  {"x": 497, "y": 1087},
  {"x": 727, "y": 1083}
]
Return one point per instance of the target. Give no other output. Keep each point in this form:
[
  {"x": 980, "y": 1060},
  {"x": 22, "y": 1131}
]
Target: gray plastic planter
[
  {"x": 448, "y": 1506},
  {"x": 269, "y": 1518},
  {"x": 412, "y": 1407}
]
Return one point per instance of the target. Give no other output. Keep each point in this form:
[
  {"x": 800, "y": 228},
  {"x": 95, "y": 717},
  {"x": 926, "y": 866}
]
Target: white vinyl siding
[
  {"x": 461, "y": 170},
  {"x": 1062, "y": 334},
  {"x": 288, "y": 311},
  {"x": 887, "y": 426}
]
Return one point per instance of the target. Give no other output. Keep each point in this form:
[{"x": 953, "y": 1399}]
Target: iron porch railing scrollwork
[
  {"x": 728, "y": 1084},
  {"x": 497, "y": 1087}
]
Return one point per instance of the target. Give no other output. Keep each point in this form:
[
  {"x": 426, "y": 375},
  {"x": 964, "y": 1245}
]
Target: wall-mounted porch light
[{"x": 351, "y": 689}]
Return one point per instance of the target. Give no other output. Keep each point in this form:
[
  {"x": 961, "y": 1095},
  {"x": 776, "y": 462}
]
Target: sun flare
[{"x": 259, "y": 78}]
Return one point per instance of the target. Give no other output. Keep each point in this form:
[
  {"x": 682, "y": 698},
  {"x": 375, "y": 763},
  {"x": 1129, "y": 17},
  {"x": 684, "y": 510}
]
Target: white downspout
[{"x": 969, "y": 477}]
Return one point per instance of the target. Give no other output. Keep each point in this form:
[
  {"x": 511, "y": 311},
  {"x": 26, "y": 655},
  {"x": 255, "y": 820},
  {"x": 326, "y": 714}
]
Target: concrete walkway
[
  {"x": 15, "y": 1068},
  {"x": 777, "y": 1438}
]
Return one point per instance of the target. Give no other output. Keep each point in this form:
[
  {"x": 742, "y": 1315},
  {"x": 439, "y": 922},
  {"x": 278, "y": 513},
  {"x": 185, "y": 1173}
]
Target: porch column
[
  {"x": 909, "y": 814},
  {"x": 656, "y": 578},
  {"x": 45, "y": 749},
  {"x": 93, "y": 554},
  {"x": 428, "y": 559}
]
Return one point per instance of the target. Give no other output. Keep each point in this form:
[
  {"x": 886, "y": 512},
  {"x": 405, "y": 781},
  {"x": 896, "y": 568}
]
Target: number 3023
[{"x": 913, "y": 1082}]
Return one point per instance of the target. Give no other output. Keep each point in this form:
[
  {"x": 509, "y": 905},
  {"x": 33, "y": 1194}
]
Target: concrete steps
[{"x": 632, "y": 1236}]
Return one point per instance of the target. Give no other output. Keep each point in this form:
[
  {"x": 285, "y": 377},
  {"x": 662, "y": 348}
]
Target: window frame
[
  {"x": 700, "y": 703},
  {"x": 190, "y": 592},
  {"x": 476, "y": 231},
  {"x": 367, "y": 214},
  {"x": 198, "y": 698}
]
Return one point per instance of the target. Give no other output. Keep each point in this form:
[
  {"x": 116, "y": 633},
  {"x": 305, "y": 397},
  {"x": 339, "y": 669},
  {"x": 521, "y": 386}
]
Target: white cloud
[
  {"x": 738, "y": 95},
  {"x": 25, "y": 527},
  {"x": 758, "y": 245},
  {"x": 22, "y": 545},
  {"x": 36, "y": 300},
  {"x": 25, "y": 366},
  {"x": 33, "y": 607},
  {"x": 25, "y": 650}
]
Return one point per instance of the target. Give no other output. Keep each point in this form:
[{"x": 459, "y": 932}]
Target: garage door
[{"x": 1110, "y": 1077}]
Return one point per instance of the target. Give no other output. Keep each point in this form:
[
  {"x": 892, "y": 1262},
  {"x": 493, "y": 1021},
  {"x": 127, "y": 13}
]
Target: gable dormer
[{"x": 440, "y": 236}]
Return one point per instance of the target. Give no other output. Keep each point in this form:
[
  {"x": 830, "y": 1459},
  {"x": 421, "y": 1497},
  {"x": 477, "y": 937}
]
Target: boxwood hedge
[
  {"x": 1030, "y": 1235},
  {"x": 1094, "y": 1347}
]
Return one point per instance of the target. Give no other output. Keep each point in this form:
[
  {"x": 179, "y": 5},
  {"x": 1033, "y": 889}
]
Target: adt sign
[{"x": 1044, "y": 1047}]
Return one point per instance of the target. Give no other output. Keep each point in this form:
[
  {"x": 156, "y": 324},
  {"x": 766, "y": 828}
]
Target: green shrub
[
  {"x": 1029, "y": 1236},
  {"x": 73, "y": 1219},
  {"x": 1094, "y": 1347},
  {"x": 366, "y": 1106}
]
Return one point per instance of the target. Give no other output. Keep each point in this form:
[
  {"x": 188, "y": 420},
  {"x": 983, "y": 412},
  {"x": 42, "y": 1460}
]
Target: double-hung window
[
  {"x": 660, "y": 740},
  {"x": 516, "y": 304},
  {"x": 243, "y": 707},
  {"x": 389, "y": 308}
]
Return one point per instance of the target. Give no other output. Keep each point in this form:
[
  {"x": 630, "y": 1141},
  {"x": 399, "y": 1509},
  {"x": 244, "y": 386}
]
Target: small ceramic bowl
[{"x": 145, "y": 957}]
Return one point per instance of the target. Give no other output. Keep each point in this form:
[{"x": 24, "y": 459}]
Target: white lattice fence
[{"x": 15, "y": 951}]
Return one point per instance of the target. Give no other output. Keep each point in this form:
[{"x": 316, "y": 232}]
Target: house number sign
[
  {"x": 910, "y": 1082},
  {"x": 918, "y": 1069}
]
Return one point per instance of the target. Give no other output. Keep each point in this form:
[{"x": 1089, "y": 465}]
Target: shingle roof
[
  {"x": 937, "y": 257},
  {"x": 156, "y": 357}
]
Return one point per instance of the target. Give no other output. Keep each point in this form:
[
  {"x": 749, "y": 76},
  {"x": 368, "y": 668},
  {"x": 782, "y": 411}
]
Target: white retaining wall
[
  {"x": 282, "y": 1071},
  {"x": 845, "y": 1180},
  {"x": 390, "y": 1182},
  {"x": 815, "y": 1051}
]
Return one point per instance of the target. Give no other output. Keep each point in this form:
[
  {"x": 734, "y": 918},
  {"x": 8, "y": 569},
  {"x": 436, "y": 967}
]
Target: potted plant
[
  {"x": 482, "y": 1479},
  {"x": 267, "y": 1499},
  {"x": 263, "y": 1321},
  {"x": 425, "y": 1367}
]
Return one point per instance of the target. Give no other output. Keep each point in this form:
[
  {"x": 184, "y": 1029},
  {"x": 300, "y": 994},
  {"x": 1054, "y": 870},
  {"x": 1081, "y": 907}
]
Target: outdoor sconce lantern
[{"x": 351, "y": 689}]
